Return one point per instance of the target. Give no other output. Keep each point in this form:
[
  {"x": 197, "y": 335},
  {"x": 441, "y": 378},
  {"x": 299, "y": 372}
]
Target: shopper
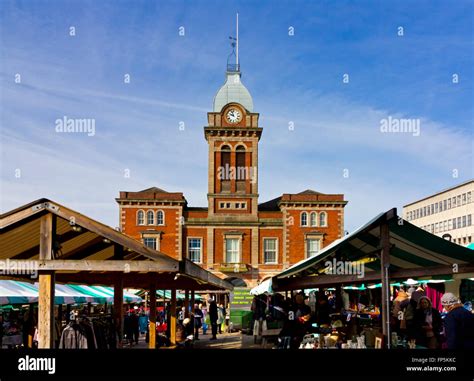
[
  {"x": 220, "y": 317},
  {"x": 458, "y": 323},
  {"x": 213, "y": 316},
  {"x": 427, "y": 324},
  {"x": 198, "y": 316}
]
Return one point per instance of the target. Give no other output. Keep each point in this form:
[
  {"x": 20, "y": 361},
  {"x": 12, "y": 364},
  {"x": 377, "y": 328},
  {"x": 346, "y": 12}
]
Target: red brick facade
[{"x": 234, "y": 236}]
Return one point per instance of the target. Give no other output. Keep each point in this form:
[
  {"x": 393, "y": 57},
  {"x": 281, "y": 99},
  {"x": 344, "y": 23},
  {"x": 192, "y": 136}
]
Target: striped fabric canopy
[
  {"x": 167, "y": 294},
  {"x": 15, "y": 292}
]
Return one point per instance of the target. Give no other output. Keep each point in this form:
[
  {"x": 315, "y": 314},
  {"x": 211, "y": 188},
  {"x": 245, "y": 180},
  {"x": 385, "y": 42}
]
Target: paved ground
[{"x": 235, "y": 340}]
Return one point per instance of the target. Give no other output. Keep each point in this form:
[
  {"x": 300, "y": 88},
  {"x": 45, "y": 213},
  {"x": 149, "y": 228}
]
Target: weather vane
[{"x": 234, "y": 42}]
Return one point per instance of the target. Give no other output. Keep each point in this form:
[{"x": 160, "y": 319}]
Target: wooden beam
[
  {"x": 152, "y": 330},
  {"x": 186, "y": 303},
  {"x": 97, "y": 265},
  {"x": 118, "y": 308},
  {"x": 194, "y": 271},
  {"x": 46, "y": 237},
  {"x": 46, "y": 311},
  {"x": 172, "y": 321}
]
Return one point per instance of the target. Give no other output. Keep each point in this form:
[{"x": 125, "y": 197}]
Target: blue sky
[{"x": 292, "y": 78}]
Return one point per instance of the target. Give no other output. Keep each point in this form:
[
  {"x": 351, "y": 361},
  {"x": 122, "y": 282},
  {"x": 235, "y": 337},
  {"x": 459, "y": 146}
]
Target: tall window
[
  {"x": 459, "y": 223},
  {"x": 150, "y": 218},
  {"x": 464, "y": 198},
  {"x": 140, "y": 217},
  {"x": 455, "y": 226},
  {"x": 160, "y": 217},
  {"x": 323, "y": 219},
  {"x": 225, "y": 164},
  {"x": 232, "y": 250},
  {"x": 445, "y": 205},
  {"x": 469, "y": 220},
  {"x": 468, "y": 197},
  {"x": 312, "y": 247},
  {"x": 270, "y": 250},
  {"x": 449, "y": 203},
  {"x": 195, "y": 249},
  {"x": 241, "y": 169},
  {"x": 313, "y": 219},
  {"x": 464, "y": 221},
  {"x": 304, "y": 219},
  {"x": 150, "y": 242}
]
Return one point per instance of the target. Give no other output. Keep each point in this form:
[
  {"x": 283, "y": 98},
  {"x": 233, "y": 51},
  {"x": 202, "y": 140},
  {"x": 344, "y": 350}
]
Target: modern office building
[{"x": 447, "y": 213}]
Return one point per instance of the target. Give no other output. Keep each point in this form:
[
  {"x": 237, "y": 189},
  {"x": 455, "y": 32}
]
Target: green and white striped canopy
[{"x": 15, "y": 292}]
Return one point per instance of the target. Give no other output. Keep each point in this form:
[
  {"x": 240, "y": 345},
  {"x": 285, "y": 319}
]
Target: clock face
[{"x": 233, "y": 116}]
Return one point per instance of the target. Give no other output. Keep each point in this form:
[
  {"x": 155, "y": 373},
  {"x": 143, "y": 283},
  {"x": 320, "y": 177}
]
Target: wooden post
[
  {"x": 384, "y": 267},
  {"x": 118, "y": 307},
  {"x": 68, "y": 313},
  {"x": 172, "y": 321},
  {"x": 193, "y": 300},
  {"x": 46, "y": 310},
  {"x": 46, "y": 286},
  {"x": 152, "y": 332},
  {"x": 186, "y": 303}
]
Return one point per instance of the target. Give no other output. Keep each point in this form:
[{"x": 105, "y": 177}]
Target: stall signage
[{"x": 241, "y": 298}]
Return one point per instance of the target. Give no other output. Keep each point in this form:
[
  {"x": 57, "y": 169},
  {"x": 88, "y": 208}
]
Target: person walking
[
  {"x": 427, "y": 324},
  {"x": 198, "y": 316},
  {"x": 220, "y": 317},
  {"x": 458, "y": 323},
  {"x": 213, "y": 316}
]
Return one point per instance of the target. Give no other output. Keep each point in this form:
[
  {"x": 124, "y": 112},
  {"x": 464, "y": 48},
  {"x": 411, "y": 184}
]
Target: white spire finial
[{"x": 237, "y": 43}]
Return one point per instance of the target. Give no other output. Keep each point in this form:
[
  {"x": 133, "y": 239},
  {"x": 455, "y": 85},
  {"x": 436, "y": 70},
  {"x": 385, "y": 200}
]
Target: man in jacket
[
  {"x": 213, "y": 317},
  {"x": 459, "y": 323}
]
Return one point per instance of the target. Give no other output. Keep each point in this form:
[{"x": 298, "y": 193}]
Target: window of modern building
[
  {"x": 440, "y": 206},
  {"x": 459, "y": 222},
  {"x": 270, "y": 250},
  {"x": 423, "y": 212},
  {"x": 150, "y": 242},
  {"x": 464, "y": 221},
  {"x": 195, "y": 250},
  {"x": 160, "y": 217},
  {"x": 232, "y": 250},
  {"x": 445, "y": 204},
  {"x": 436, "y": 207},
  {"x": 445, "y": 223},
  {"x": 312, "y": 247},
  {"x": 468, "y": 198},
  {"x": 469, "y": 239},
  {"x": 454, "y": 223},
  {"x": 436, "y": 227},
  {"x": 464, "y": 240},
  {"x": 449, "y": 203},
  {"x": 450, "y": 224},
  {"x": 469, "y": 219},
  {"x": 304, "y": 219},
  {"x": 458, "y": 200},
  {"x": 454, "y": 202},
  {"x": 323, "y": 219},
  {"x": 464, "y": 198},
  {"x": 313, "y": 219},
  {"x": 150, "y": 218},
  {"x": 140, "y": 217}
]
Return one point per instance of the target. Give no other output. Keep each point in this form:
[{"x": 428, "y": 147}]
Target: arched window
[
  {"x": 150, "y": 218},
  {"x": 140, "y": 217},
  {"x": 242, "y": 172},
  {"x": 313, "y": 219},
  {"x": 225, "y": 168},
  {"x": 304, "y": 219},
  {"x": 160, "y": 217},
  {"x": 323, "y": 219}
]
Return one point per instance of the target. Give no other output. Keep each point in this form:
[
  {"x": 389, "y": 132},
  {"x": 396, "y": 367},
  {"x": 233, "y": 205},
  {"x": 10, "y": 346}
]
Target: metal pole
[{"x": 237, "y": 44}]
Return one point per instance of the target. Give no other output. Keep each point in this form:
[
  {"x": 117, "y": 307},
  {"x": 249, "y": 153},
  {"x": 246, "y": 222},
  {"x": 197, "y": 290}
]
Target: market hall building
[{"x": 235, "y": 236}]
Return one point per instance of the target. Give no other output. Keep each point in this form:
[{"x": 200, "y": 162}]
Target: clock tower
[{"x": 233, "y": 134}]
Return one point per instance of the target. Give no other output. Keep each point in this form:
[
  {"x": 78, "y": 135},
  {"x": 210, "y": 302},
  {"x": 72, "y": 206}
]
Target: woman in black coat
[{"x": 427, "y": 324}]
